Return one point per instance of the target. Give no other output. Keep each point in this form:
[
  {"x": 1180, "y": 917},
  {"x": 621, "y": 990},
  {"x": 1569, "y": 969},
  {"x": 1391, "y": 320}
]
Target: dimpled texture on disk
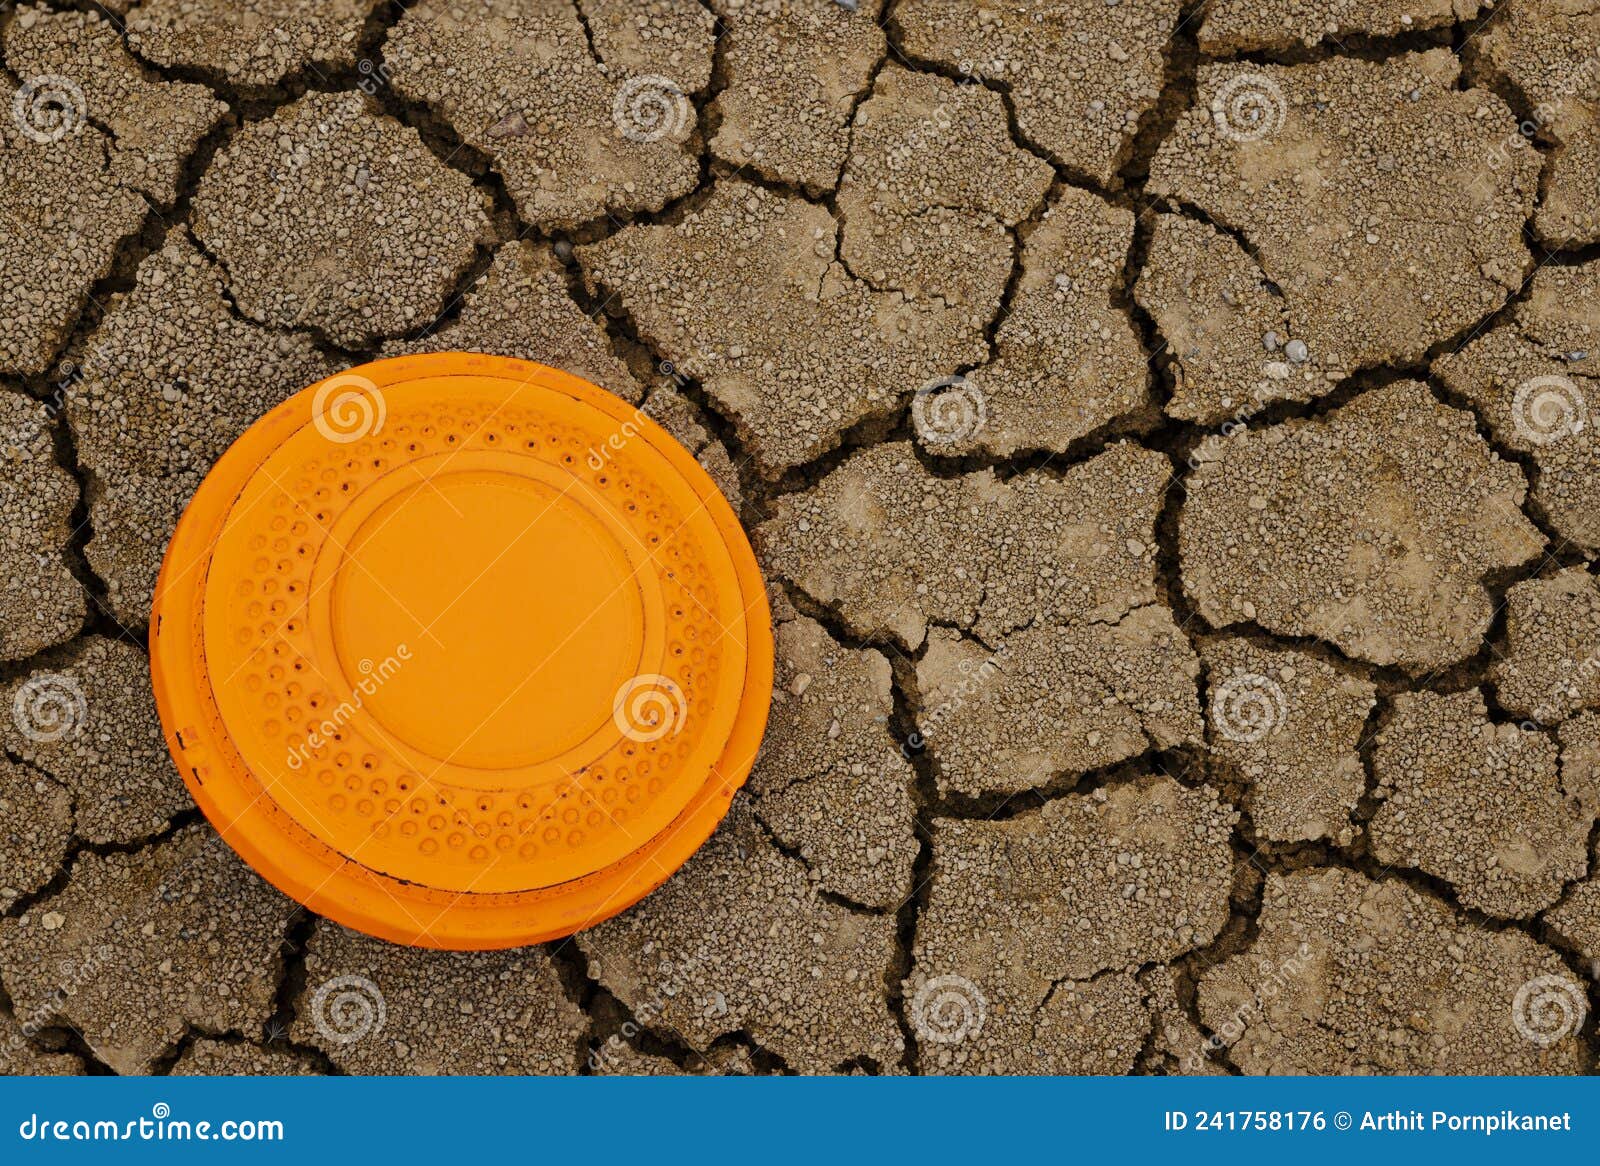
[{"x": 461, "y": 651}]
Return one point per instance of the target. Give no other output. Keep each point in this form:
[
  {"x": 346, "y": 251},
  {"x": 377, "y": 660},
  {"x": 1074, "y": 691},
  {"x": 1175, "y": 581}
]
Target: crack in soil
[{"x": 608, "y": 1016}]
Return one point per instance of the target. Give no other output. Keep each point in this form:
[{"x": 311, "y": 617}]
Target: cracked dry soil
[{"x": 1203, "y": 677}]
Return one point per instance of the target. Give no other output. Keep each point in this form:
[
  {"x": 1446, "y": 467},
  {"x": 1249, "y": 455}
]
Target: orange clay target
[{"x": 461, "y": 651}]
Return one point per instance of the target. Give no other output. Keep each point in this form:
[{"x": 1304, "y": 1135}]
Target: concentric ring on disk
[{"x": 461, "y": 651}]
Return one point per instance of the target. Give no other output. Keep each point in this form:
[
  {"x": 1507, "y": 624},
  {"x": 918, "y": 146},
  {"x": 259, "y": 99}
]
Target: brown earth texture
[{"x": 1168, "y": 431}]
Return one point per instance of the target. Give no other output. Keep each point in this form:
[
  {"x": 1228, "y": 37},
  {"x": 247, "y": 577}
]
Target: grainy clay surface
[{"x": 1168, "y": 433}]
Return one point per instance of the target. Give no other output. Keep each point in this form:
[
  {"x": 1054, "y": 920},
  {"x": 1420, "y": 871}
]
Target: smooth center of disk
[{"x": 492, "y": 617}]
